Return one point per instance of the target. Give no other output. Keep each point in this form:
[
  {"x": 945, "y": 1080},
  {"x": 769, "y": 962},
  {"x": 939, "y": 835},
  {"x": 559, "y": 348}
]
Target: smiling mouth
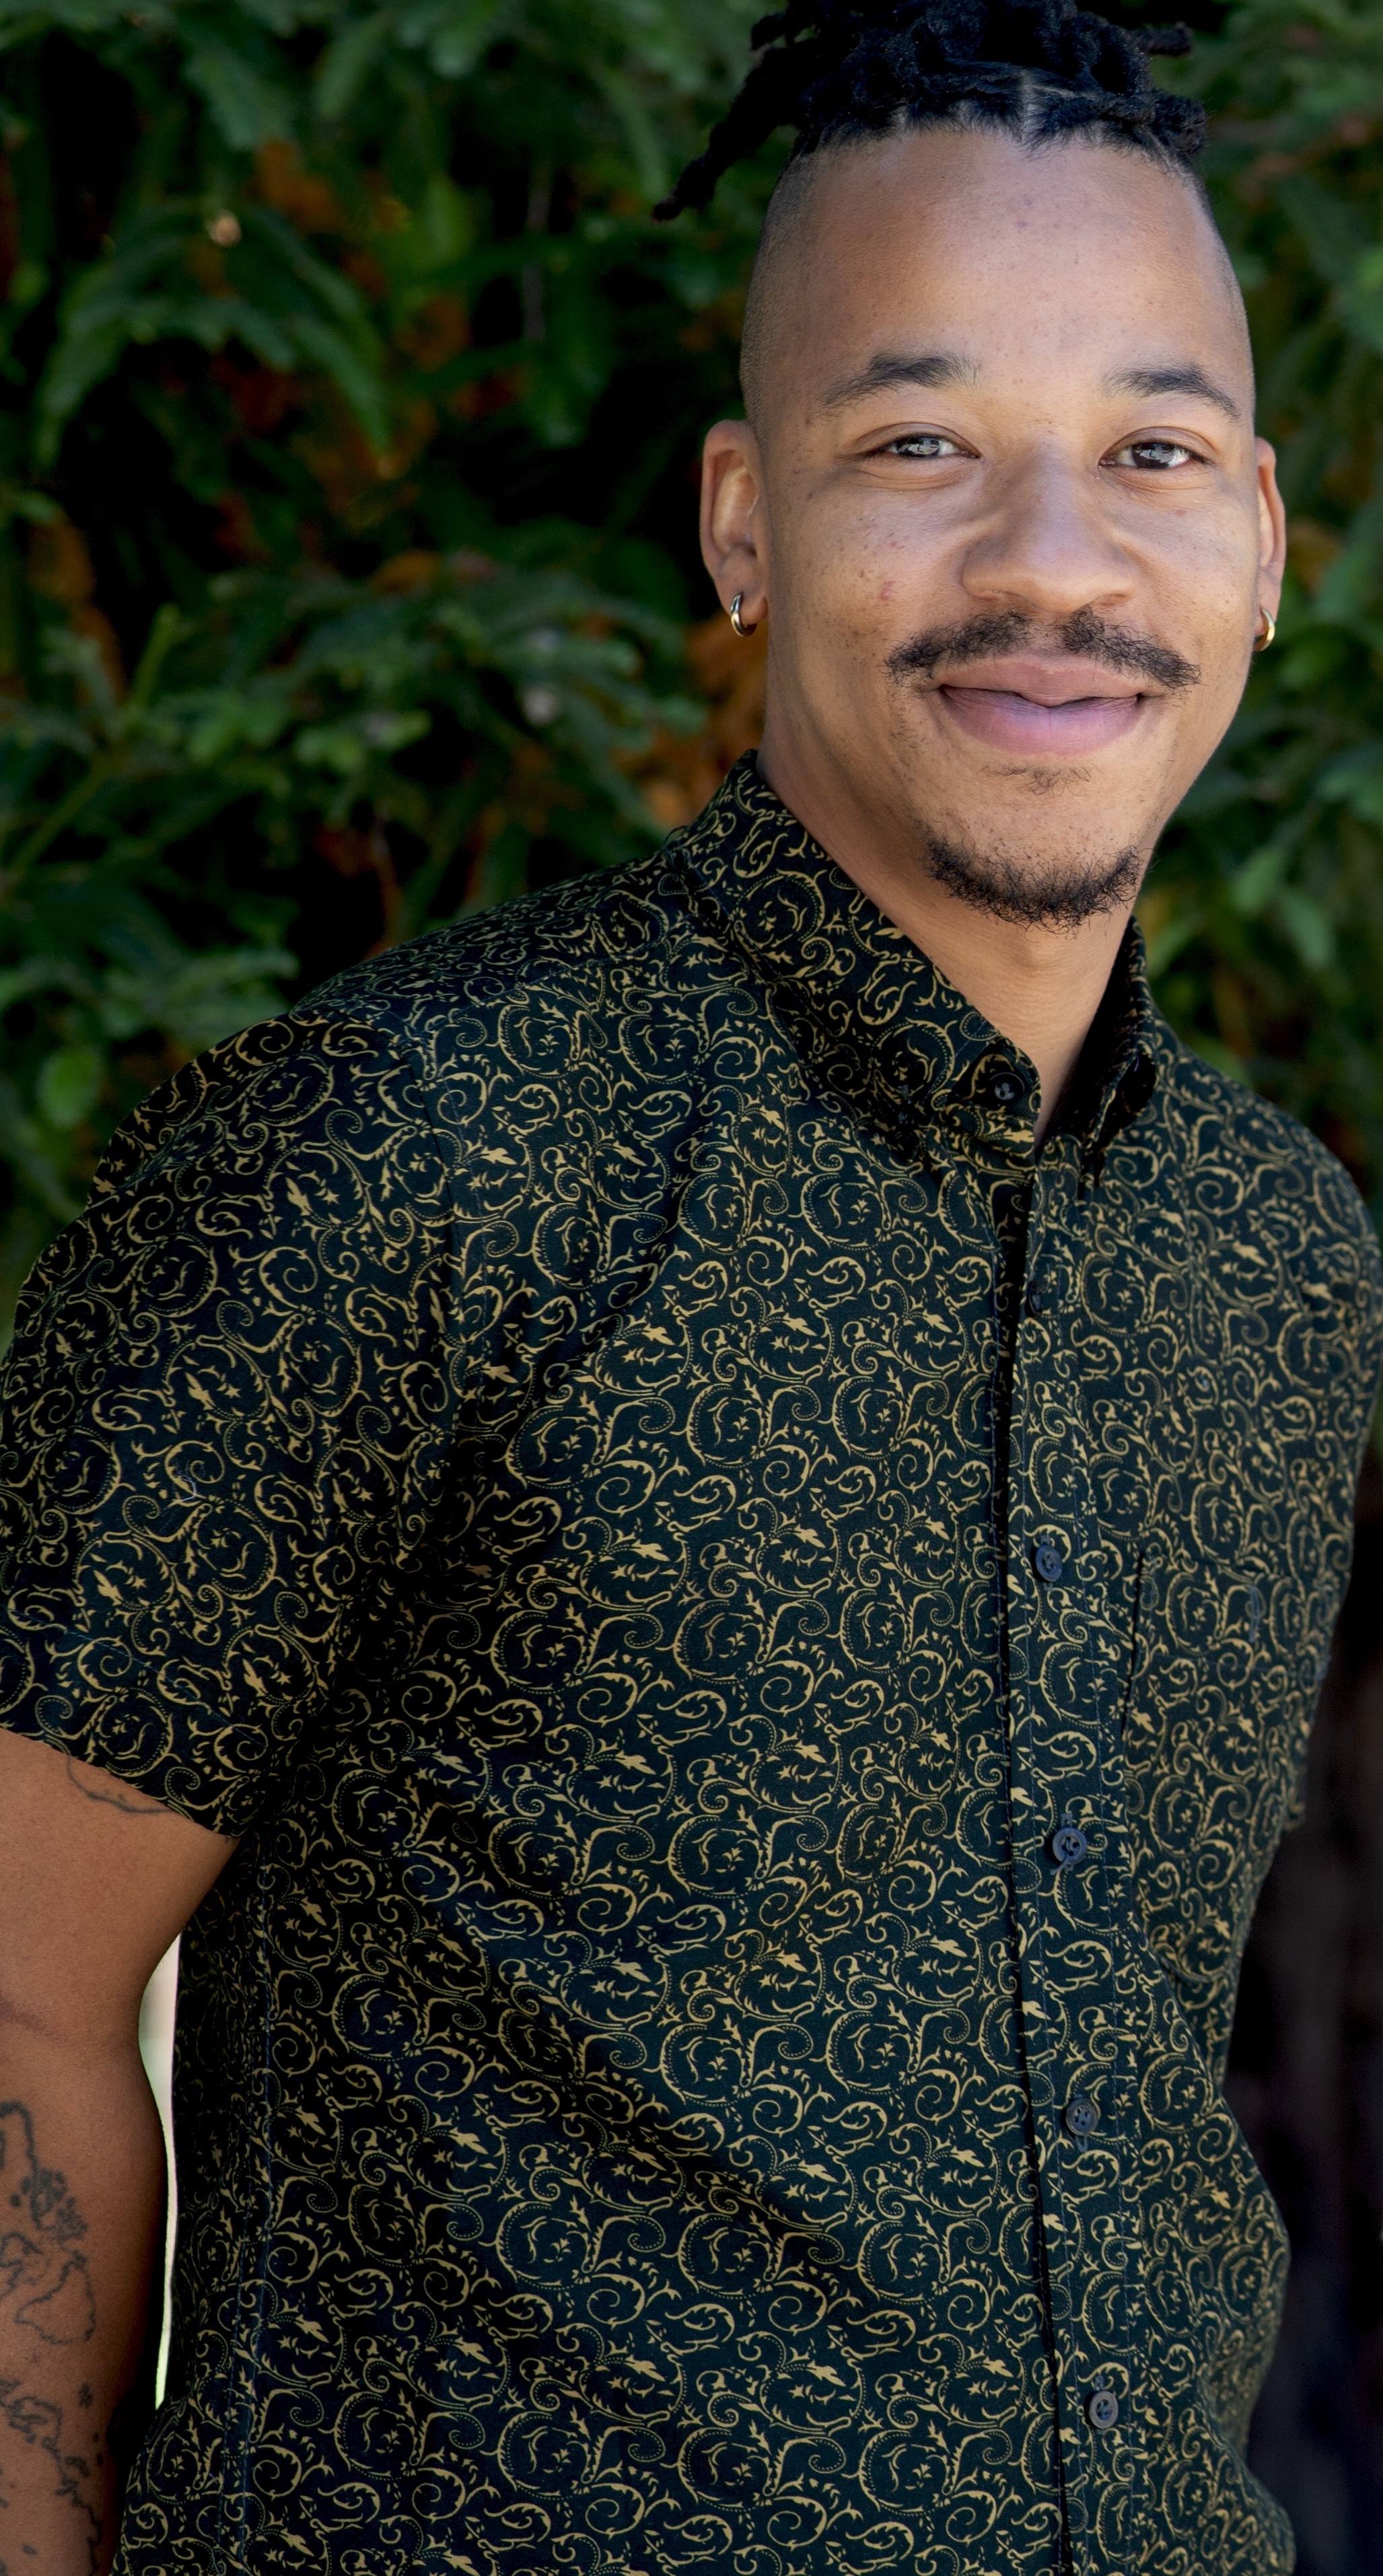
[{"x": 1009, "y": 720}]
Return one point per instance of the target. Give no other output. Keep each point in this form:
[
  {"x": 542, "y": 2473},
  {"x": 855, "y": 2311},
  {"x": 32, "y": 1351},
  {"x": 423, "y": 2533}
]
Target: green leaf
[
  {"x": 341, "y": 358},
  {"x": 199, "y": 1000},
  {"x": 346, "y": 748},
  {"x": 1334, "y": 231},
  {"x": 1308, "y": 926},
  {"x": 1257, "y": 879},
  {"x": 248, "y": 109},
  {"x": 77, "y": 364},
  {"x": 444, "y": 227},
  {"x": 1356, "y": 781},
  {"x": 455, "y": 32},
  {"x": 69, "y": 1084},
  {"x": 1354, "y": 575},
  {"x": 345, "y": 63},
  {"x": 645, "y": 145}
]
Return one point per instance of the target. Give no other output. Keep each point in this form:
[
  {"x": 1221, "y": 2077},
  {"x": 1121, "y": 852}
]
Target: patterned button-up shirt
[{"x": 760, "y": 1634}]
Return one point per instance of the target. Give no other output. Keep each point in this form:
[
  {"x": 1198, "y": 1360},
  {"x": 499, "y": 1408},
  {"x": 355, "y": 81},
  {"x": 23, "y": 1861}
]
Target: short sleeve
[{"x": 225, "y": 1416}]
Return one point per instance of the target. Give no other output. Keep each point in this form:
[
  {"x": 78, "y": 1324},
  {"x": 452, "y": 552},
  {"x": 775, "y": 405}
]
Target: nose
[{"x": 1046, "y": 545}]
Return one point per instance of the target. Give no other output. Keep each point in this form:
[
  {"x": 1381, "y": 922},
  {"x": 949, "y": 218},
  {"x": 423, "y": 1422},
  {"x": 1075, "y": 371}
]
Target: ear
[
  {"x": 734, "y": 518},
  {"x": 1272, "y": 531}
]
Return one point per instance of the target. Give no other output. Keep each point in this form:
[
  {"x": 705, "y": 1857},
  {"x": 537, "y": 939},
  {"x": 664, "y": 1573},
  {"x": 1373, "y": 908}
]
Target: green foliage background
[{"x": 350, "y": 413}]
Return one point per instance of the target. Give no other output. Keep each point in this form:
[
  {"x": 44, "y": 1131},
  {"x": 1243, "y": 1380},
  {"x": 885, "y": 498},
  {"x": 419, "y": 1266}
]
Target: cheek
[
  {"x": 868, "y": 566},
  {"x": 1207, "y": 568}
]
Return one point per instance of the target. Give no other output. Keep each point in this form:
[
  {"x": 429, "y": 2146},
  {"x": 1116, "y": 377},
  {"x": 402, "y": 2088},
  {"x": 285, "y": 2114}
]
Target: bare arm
[{"x": 95, "y": 1881}]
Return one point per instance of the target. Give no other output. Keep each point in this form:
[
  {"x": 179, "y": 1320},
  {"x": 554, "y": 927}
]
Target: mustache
[{"x": 1010, "y": 631}]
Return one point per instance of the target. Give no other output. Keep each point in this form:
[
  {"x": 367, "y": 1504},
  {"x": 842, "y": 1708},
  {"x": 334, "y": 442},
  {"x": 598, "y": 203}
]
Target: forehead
[{"x": 1097, "y": 260}]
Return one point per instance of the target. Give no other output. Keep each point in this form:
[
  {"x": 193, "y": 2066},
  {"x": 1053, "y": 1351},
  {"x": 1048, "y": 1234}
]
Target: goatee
[{"x": 1040, "y": 897}]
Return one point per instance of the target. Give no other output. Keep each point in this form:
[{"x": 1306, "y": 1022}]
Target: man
[{"x": 705, "y": 1517}]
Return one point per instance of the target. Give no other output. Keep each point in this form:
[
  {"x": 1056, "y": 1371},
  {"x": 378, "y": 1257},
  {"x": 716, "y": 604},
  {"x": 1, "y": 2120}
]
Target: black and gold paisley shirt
[{"x": 760, "y": 1637}]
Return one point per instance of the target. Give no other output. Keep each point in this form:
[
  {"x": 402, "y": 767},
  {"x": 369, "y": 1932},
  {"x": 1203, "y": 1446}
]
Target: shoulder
[
  {"x": 561, "y": 969},
  {"x": 452, "y": 1025}
]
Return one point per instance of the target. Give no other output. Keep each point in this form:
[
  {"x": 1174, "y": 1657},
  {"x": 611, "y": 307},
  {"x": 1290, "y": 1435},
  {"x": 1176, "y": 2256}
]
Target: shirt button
[
  {"x": 1036, "y": 1299},
  {"x": 1068, "y": 1845},
  {"x": 1102, "y": 2409},
  {"x": 1005, "y": 1089},
  {"x": 1081, "y": 2115},
  {"x": 1049, "y": 1561}
]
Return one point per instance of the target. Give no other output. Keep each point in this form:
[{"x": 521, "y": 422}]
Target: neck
[{"x": 1039, "y": 987}]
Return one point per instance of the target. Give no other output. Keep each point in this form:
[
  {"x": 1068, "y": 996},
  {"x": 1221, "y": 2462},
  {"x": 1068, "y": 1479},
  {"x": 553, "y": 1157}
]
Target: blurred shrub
[
  {"x": 1265, "y": 912},
  {"x": 350, "y": 413},
  {"x": 347, "y": 394}
]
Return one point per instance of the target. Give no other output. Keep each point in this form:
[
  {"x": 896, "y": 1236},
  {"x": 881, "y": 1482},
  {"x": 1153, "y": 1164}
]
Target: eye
[
  {"x": 1154, "y": 455},
  {"x": 924, "y": 444}
]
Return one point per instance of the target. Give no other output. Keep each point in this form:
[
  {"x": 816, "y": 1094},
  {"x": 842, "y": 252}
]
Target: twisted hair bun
[{"x": 838, "y": 70}]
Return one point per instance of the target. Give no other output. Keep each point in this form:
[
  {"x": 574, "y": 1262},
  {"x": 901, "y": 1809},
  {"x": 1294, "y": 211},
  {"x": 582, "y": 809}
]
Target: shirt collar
[{"x": 870, "y": 1014}]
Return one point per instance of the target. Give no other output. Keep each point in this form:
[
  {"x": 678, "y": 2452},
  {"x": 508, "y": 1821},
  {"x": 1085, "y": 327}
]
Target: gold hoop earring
[
  {"x": 1261, "y": 642},
  {"x": 744, "y": 632}
]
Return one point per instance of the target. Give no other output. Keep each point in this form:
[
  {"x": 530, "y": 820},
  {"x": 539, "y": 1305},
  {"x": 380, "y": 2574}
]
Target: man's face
[{"x": 1004, "y": 508}]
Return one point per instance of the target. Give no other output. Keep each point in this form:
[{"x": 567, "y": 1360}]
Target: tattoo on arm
[
  {"x": 109, "y": 1798},
  {"x": 45, "y": 2294}
]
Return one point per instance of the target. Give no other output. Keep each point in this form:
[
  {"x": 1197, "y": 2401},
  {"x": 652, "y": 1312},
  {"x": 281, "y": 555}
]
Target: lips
[
  {"x": 1044, "y": 705},
  {"x": 1008, "y": 720}
]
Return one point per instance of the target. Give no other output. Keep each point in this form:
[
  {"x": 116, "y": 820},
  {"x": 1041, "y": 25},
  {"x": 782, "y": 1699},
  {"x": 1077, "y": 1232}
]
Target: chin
[{"x": 1053, "y": 879}]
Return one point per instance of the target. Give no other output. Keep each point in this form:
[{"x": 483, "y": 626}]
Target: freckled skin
[{"x": 1044, "y": 490}]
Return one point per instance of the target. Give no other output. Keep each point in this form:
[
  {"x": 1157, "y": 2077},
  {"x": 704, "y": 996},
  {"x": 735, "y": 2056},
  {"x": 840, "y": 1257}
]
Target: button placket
[
  {"x": 1062, "y": 1662},
  {"x": 1081, "y": 2117}
]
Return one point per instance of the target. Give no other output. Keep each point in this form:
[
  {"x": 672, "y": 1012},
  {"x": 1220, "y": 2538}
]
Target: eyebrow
[
  {"x": 1151, "y": 381},
  {"x": 933, "y": 368},
  {"x": 927, "y": 367}
]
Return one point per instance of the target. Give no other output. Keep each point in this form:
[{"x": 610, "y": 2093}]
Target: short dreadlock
[{"x": 841, "y": 70}]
